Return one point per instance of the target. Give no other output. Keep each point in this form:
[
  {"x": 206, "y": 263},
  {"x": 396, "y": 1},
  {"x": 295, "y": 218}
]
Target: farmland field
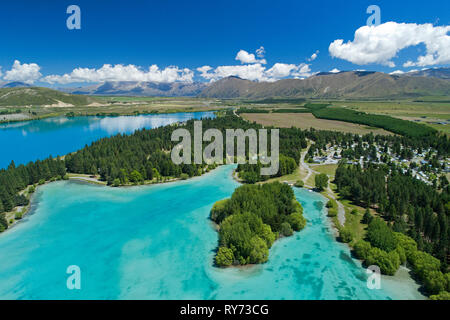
[{"x": 307, "y": 120}]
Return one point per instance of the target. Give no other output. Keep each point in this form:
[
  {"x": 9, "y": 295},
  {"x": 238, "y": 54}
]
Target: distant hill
[
  {"x": 348, "y": 84},
  {"x": 15, "y": 84},
  {"x": 141, "y": 88},
  {"x": 19, "y": 96},
  {"x": 441, "y": 73}
]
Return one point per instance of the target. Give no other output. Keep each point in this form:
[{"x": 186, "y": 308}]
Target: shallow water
[
  {"x": 31, "y": 140},
  {"x": 156, "y": 242}
]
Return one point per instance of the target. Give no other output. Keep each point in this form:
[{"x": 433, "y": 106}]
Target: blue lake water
[
  {"x": 156, "y": 242},
  {"x": 31, "y": 140}
]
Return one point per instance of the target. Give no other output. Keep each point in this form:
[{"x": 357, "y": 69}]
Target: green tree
[
  {"x": 3, "y": 222},
  {"x": 367, "y": 218},
  {"x": 224, "y": 257},
  {"x": 286, "y": 229},
  {"x": 116, "y": 182},
  {"x": 321, "y": 181},
  {"x": 136, "y": 177},
  {"x": 381, "y": 236},
  {"x": 297, "y": 221},
  {"x": 345, "y": 235},
  {"x": 259, "y": 252}
]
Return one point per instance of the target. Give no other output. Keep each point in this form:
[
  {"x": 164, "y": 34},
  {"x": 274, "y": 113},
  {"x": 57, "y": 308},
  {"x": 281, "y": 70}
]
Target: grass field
[
  {"x": 307, "y": 120},
  {"x": 329, "y": 169},
  {"x": 433, "y": 110}
]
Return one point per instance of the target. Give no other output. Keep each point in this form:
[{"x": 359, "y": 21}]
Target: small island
[{"x": 252, "y": 219}]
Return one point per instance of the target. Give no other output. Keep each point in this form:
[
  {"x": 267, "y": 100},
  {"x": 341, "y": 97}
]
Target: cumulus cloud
[
  {"x": 256, "y": 72},
  {"x": 380, "y": 44},
  {"x": 335, "y": 70},
  {"x": 25, "y": 72},
  {"x": 121, "y": 72},
  {"x": 249, "y": 71},
  {"x": 245, "y": 57}
]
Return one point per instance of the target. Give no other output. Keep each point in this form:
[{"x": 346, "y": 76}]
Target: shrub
[
  {"x": 444, "y": 295},
  {"x": 286, "y": 229},
  {"x": 331, "y": 204},
  {"x": 224, "y": 257},
  {"x": 3, "y": 222},
  {"x": 345, "y": 235},
  {"x": 41, "y": 182},
  {"x": 362, "y": 249},
  {"x": 18, "y": 215},
  {"x": 259, "y": 252},
  {"x": 136, "y": 177},
  {"x": 299, "y": 184},
  {"x": 381, "y": 236},
  {"x": 116, "y": 182},
  {"x": 434, "y": 282},
  {"x": 297, "y": 221},
  {"x": 387, "y": 262},
  {"x": 408, "y": 244},
  {"x": 31, "y": 189},
  {"x": 184, "y": 176},
  {"x": 332, "y": 212},
  {"x": 367, "y": 218},
  {"x": 219, "y": 210},
  {"x": 424, "y": 263}
]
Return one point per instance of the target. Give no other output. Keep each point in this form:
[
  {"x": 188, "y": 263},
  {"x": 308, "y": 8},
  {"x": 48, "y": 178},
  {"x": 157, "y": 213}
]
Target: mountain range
[
  {"x": 141, "y": 88},
  {"x": 344, "y": 84}
]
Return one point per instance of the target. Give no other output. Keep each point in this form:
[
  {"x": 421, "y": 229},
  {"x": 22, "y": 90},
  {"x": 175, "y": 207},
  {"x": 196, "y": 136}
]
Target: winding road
[{"x": 341, "y": 209}]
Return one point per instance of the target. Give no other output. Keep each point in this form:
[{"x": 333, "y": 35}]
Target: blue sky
[{"x": 192, "y": 34}]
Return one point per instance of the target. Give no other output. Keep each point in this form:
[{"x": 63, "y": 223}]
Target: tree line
[{"x": 414, "y": 212}]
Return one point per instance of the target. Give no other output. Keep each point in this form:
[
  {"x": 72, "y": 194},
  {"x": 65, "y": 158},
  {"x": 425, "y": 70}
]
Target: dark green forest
[
  {"x": 416, "y": 215},
  {"x": 399, "y": 126}
]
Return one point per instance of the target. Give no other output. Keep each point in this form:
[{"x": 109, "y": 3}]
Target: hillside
[
  {"x": 351, "y": 84},
  {"x": 442, "y": 73},
  {"x": 37, "y": 96}
]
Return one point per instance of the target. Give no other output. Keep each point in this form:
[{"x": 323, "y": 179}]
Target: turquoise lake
[
  {"x": 31, "y": 140},
  {"x": 156, "y": 242}
]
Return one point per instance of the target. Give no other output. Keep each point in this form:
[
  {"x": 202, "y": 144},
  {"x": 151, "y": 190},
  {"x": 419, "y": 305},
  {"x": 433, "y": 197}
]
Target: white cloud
[
  {"x": 335, "y": 70},
  {"x": 249, "y": 71},
  {"x": 380, "y": 44},
  {"x": 27, "y": 73},
  {"x": 397, "y": 72},
  {"x": 260, "y": 52},
  {"x": 256, "y": 72},
  {"x": 121, "y": 72},
  {"x": 245, "y": 57},
  {"x": 313, "y": 56}
]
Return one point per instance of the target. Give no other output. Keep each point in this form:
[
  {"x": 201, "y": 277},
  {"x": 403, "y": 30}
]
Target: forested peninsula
[{"x": 252, "y": 219}]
